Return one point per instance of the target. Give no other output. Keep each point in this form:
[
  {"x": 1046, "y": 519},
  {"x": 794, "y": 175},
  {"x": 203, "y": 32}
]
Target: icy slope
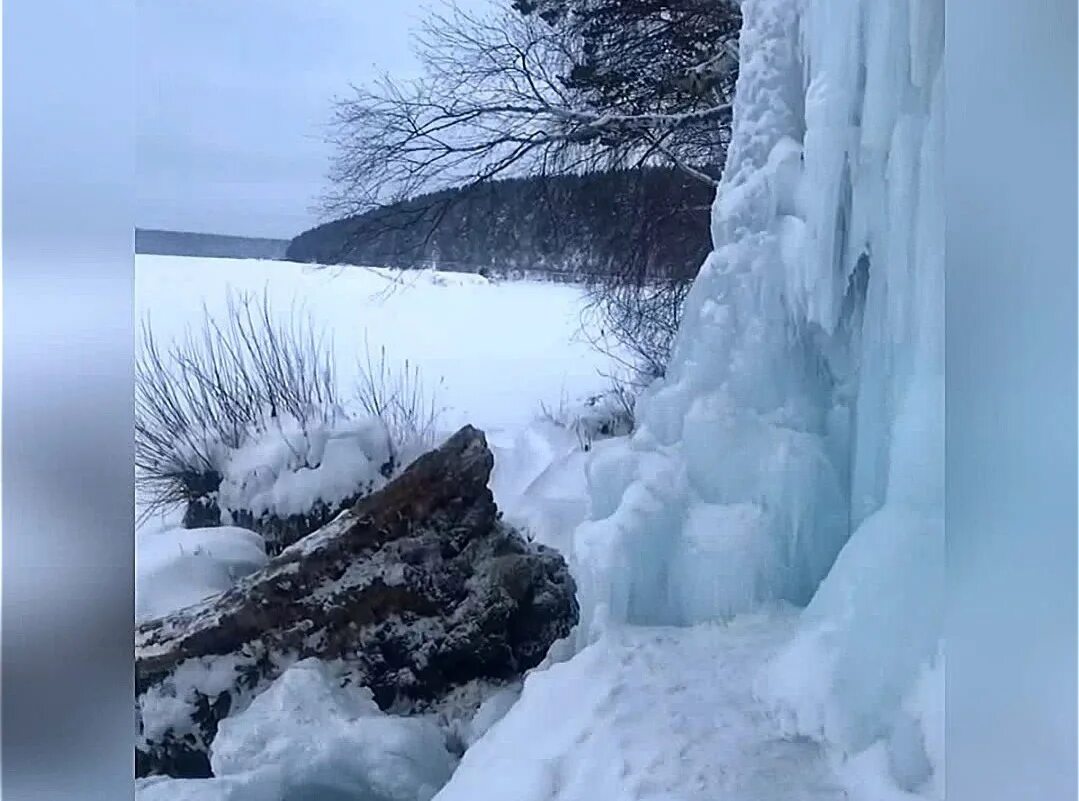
[{"x": 649, "y": 714}]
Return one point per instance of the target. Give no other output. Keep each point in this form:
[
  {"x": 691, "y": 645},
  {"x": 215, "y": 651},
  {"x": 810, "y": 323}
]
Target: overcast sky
[{"x": 233, "y": 98}]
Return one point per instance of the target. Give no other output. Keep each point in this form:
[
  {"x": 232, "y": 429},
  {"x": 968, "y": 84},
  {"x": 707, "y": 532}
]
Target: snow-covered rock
[{"x": 419, "y": 590}]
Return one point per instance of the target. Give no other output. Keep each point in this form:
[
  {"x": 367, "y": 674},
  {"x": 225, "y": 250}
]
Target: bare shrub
[
  {"x": 635, "y": 324},
  {"x": 236, "y": 378},
  {"x": 397, "y": 397},
  {"x": 201, "y": 397}
]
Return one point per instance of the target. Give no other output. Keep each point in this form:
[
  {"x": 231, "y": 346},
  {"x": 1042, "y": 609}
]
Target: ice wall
[{"x": 801, "y": 418}]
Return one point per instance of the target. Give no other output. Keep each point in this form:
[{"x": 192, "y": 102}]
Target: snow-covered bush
[
  {"x": 244, "y": 422},
  {"x": 200, "y": 398},
  {"x": 637, "y": 321},
  {"x": 294, "y": 476},
  {"x": 609, "y": 414}
]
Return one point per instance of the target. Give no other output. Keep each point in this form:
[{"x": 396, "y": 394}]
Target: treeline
[
  {"x": 649, "y": 223},
  {"x": 185, "y": 243}
]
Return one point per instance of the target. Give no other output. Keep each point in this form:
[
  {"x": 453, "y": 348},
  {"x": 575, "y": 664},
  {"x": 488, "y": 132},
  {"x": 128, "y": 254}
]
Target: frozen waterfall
[{"x": 794, "y": 452}]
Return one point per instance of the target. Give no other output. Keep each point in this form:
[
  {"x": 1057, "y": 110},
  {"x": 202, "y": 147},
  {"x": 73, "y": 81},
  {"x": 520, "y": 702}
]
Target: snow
[
  {"x": 176, "y": 567},
  {"x": 309, "y": 737},
  {"x": 492, "y": 710},
  {"x": 323, "y": 734},
  {"x": 255, "y": 786},
  {"x": 490, "y": 352},
  {"x": 170, "y": 704},
  {"x": 924, "y": 706},
  {"x": 648, "y": 714},
  {"x": 540, "y": 484},
  {"x": 886, "y": 588},
  {"x": 292, "y": 466}
]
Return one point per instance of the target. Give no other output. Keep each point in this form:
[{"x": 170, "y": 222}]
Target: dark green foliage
[
  {"x": 637, "y": 225},
  {"x": 634, "y": 57}
]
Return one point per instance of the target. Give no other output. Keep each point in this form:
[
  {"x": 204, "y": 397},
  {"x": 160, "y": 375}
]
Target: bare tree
[
  {"x": 520, "y": 93},
  {"x": 494, "y": 101}
]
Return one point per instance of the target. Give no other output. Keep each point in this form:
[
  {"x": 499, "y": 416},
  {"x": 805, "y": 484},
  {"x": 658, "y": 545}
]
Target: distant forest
[
  {"x": 651, "y": 223},
  {"x": 186, "y": 243}
]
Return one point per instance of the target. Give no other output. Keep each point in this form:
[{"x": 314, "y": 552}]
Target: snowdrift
[
  {"x": 309, "y": 736},
  {"x": 176, "y": 567}
]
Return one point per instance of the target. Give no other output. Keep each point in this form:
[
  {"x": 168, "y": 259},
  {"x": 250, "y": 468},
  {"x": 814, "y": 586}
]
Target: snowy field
[{"x": 490, "y": 352}]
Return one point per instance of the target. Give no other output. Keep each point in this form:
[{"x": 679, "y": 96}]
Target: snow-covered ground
[
  {"x": 650, "y": 714},
  {"x": 491, "y": 352}
]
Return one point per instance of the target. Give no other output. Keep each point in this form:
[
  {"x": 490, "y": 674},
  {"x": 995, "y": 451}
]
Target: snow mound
[
  {"x": 177, "y": 567},
  {"x": 293, "y": 466},
  {"x": 539, "y": 481},
  {"x": 492, "y": 710},
  {"x": 312, "y": 737},
  {"x": 257, "y": 786},
  {"x": 334, "y": 739}
]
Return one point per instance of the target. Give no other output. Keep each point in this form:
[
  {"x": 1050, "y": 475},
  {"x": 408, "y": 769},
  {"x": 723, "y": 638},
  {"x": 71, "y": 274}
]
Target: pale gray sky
[{"x": 233, "y": 97}]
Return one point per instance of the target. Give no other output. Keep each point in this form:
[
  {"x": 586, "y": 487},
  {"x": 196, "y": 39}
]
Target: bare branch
[{"x": 494, "y": 102}]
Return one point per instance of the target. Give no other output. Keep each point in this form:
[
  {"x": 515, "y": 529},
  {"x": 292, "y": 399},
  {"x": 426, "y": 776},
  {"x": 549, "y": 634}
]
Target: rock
[
  {"x": 202, "y": 513},
  {"x": 278, "y": 532},
  {"x": 281, "y": 532},
  {"x": 418, "y": 589}
]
